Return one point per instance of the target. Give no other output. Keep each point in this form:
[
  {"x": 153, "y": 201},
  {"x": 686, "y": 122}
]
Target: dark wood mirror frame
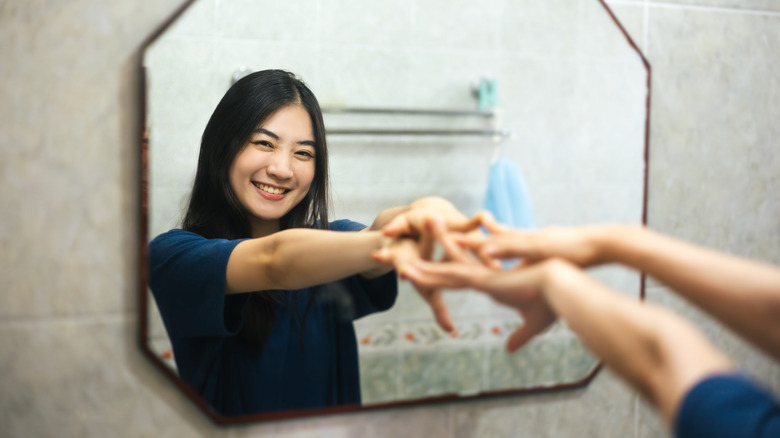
[{"x": 143, "y": 231}]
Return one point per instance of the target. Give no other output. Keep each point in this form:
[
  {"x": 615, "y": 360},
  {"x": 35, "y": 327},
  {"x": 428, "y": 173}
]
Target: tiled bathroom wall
[
  {"x": 69, "y": 360},
  {"x": 570, "y": 89}
]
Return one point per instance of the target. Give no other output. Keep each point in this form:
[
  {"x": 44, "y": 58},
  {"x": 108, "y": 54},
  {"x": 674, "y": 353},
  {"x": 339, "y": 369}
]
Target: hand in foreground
[
  {"x": 522, "y": 289},
  {"x": 578, "y": 245}
]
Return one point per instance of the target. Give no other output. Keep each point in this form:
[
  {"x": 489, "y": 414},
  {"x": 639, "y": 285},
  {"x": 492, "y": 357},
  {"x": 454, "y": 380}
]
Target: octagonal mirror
[{"x": 421, "y": 98}]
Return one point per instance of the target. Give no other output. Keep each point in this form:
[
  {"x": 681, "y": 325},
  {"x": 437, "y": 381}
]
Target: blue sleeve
[
  {"x": 728, "y": 406},
  {"x": 187, "y": 278},
  {"x": 367, "y": 296}
]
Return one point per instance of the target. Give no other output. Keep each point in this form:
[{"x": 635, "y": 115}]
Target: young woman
[{"x": 258, "y": 290}]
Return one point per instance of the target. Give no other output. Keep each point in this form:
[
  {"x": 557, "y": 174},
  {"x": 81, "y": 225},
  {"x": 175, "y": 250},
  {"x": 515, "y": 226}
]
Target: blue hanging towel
[{"x": 507, "y": 196}]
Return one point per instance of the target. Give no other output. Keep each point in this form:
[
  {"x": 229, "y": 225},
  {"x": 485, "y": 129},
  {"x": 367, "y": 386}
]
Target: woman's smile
[{"x": 270, "y": 192}]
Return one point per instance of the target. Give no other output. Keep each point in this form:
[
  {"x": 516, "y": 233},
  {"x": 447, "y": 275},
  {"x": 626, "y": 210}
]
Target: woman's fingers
[
  {"x": 435, "y": 299},
  {"x": 491, "y": 248},
  {"x": 452, "y": 251},
  {"x": 428, "y": 275},
  {"x": 463, "y": 224},
  {"x": 398, "y": 226},
  {"x": 429, "y": 288},
  {"x": 536, "y": 321},
  {"x": 400, "y": 253},
  {"x": 489, "y": 222},
  {"x": 513, "y": 244},
  {"x": 520, "y": 290},
  {"x": 413, "y": 222},
  {"x": 518, "y": 338},
  {"x": 426, "y": 245}
]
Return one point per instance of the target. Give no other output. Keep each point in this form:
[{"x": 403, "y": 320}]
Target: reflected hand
[
  {"x": 412, "y": 222},
  {"x": 402, "y": 253},
  {"x": 521, "y": 288}
]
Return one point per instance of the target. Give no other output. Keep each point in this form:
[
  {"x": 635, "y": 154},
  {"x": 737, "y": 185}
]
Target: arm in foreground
[
  {"x": 656, "y": 352},
  {"x": 743, "y": 294}
]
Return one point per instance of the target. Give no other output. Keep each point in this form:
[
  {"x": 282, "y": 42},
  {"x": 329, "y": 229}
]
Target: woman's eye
[
  {"x": 305, "y": 154},
  {"x": 263, "y": 143}
]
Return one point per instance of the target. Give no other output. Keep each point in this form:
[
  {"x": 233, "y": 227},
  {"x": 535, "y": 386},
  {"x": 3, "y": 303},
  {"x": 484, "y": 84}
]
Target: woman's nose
[{"x": 279, "y": 166}]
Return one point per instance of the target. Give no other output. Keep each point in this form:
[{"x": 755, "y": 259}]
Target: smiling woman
[{"x": 258, "y": 291}]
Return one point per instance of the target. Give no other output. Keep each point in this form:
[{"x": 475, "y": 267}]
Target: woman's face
[{"x": 274, "y": 170}]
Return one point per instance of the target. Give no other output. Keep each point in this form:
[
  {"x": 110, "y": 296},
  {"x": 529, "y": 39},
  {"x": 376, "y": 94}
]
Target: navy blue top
[
  {"x": 728, "y": 405},
  {"x": 187, "y": 278}
]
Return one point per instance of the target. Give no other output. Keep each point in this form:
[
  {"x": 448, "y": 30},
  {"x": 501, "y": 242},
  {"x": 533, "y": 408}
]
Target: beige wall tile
[
  {"x": 713, "y": 166},
  {"x": 429, "y": 421},
  {"x": 604, "y": 408},
  {"x": 82, "y": 377}
]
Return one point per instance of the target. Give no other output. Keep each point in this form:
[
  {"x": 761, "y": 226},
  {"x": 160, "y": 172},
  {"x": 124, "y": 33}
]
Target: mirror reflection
[{"x": 535, "y": 112}]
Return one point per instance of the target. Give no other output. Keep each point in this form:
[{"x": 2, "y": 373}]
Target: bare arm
[
  {"x": 298, "y": 258},
  {"x": 656, "y": 352},
  {"x": 743, "y": 294}
]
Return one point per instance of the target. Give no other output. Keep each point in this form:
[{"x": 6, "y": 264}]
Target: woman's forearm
[
  {"x": 743, "y": 294},
  {"x": 298, "y": 258},
  {"x": 658, "y": 353}
]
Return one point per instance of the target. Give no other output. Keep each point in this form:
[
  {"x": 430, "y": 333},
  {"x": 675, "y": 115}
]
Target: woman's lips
[{"x": 270, "y": 192}]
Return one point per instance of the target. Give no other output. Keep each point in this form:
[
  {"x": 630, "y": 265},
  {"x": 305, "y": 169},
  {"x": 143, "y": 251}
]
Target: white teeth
[{"x": 269, "y": 189}]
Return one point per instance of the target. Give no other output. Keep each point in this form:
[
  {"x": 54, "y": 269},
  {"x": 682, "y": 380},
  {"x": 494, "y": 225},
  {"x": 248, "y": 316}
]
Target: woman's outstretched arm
[
  {"x": 298, "y": 258},
  {"x": 743, "y": 294},
  {"x": 656, "y": 352}
]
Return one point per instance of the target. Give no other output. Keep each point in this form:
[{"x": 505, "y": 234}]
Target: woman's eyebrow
[
  {"x": 266, "y": 132},
  {"x": 311, "y": 143}
]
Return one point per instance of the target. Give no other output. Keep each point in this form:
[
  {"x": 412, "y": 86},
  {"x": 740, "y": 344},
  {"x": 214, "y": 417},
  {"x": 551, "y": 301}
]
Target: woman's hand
[
  {"x": 412, "y": 221},
  {"x": 522, "y": 288},
  {"x": 412, "y": 240},
  {"x": 582, "y": 246},
  {"x": 402, "y": 253}
]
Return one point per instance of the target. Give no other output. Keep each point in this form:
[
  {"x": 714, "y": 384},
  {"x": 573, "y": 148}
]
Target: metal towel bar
[
  {"x": 503, "y": 133},
  {"x": 411, "y": 111}
]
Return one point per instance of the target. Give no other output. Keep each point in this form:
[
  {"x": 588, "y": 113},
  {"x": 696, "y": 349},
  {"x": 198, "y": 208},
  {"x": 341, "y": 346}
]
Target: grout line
[
  {"x": 635, "y": 400},
  {"x": 646, "y": 30},
  {"x": 116, "y": 317},
  {"x": 722, "y": 9}
]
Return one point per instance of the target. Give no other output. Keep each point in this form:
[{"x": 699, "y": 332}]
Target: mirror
[{"x": 564, "y": 79}]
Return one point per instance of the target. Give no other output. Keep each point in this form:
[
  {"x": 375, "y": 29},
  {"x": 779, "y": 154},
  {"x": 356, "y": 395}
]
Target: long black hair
[{"x": 214, "y": 211}]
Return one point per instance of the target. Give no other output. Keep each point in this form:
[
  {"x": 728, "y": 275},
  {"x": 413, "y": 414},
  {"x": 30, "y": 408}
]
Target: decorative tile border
[{"x": 427, "y": 334}]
